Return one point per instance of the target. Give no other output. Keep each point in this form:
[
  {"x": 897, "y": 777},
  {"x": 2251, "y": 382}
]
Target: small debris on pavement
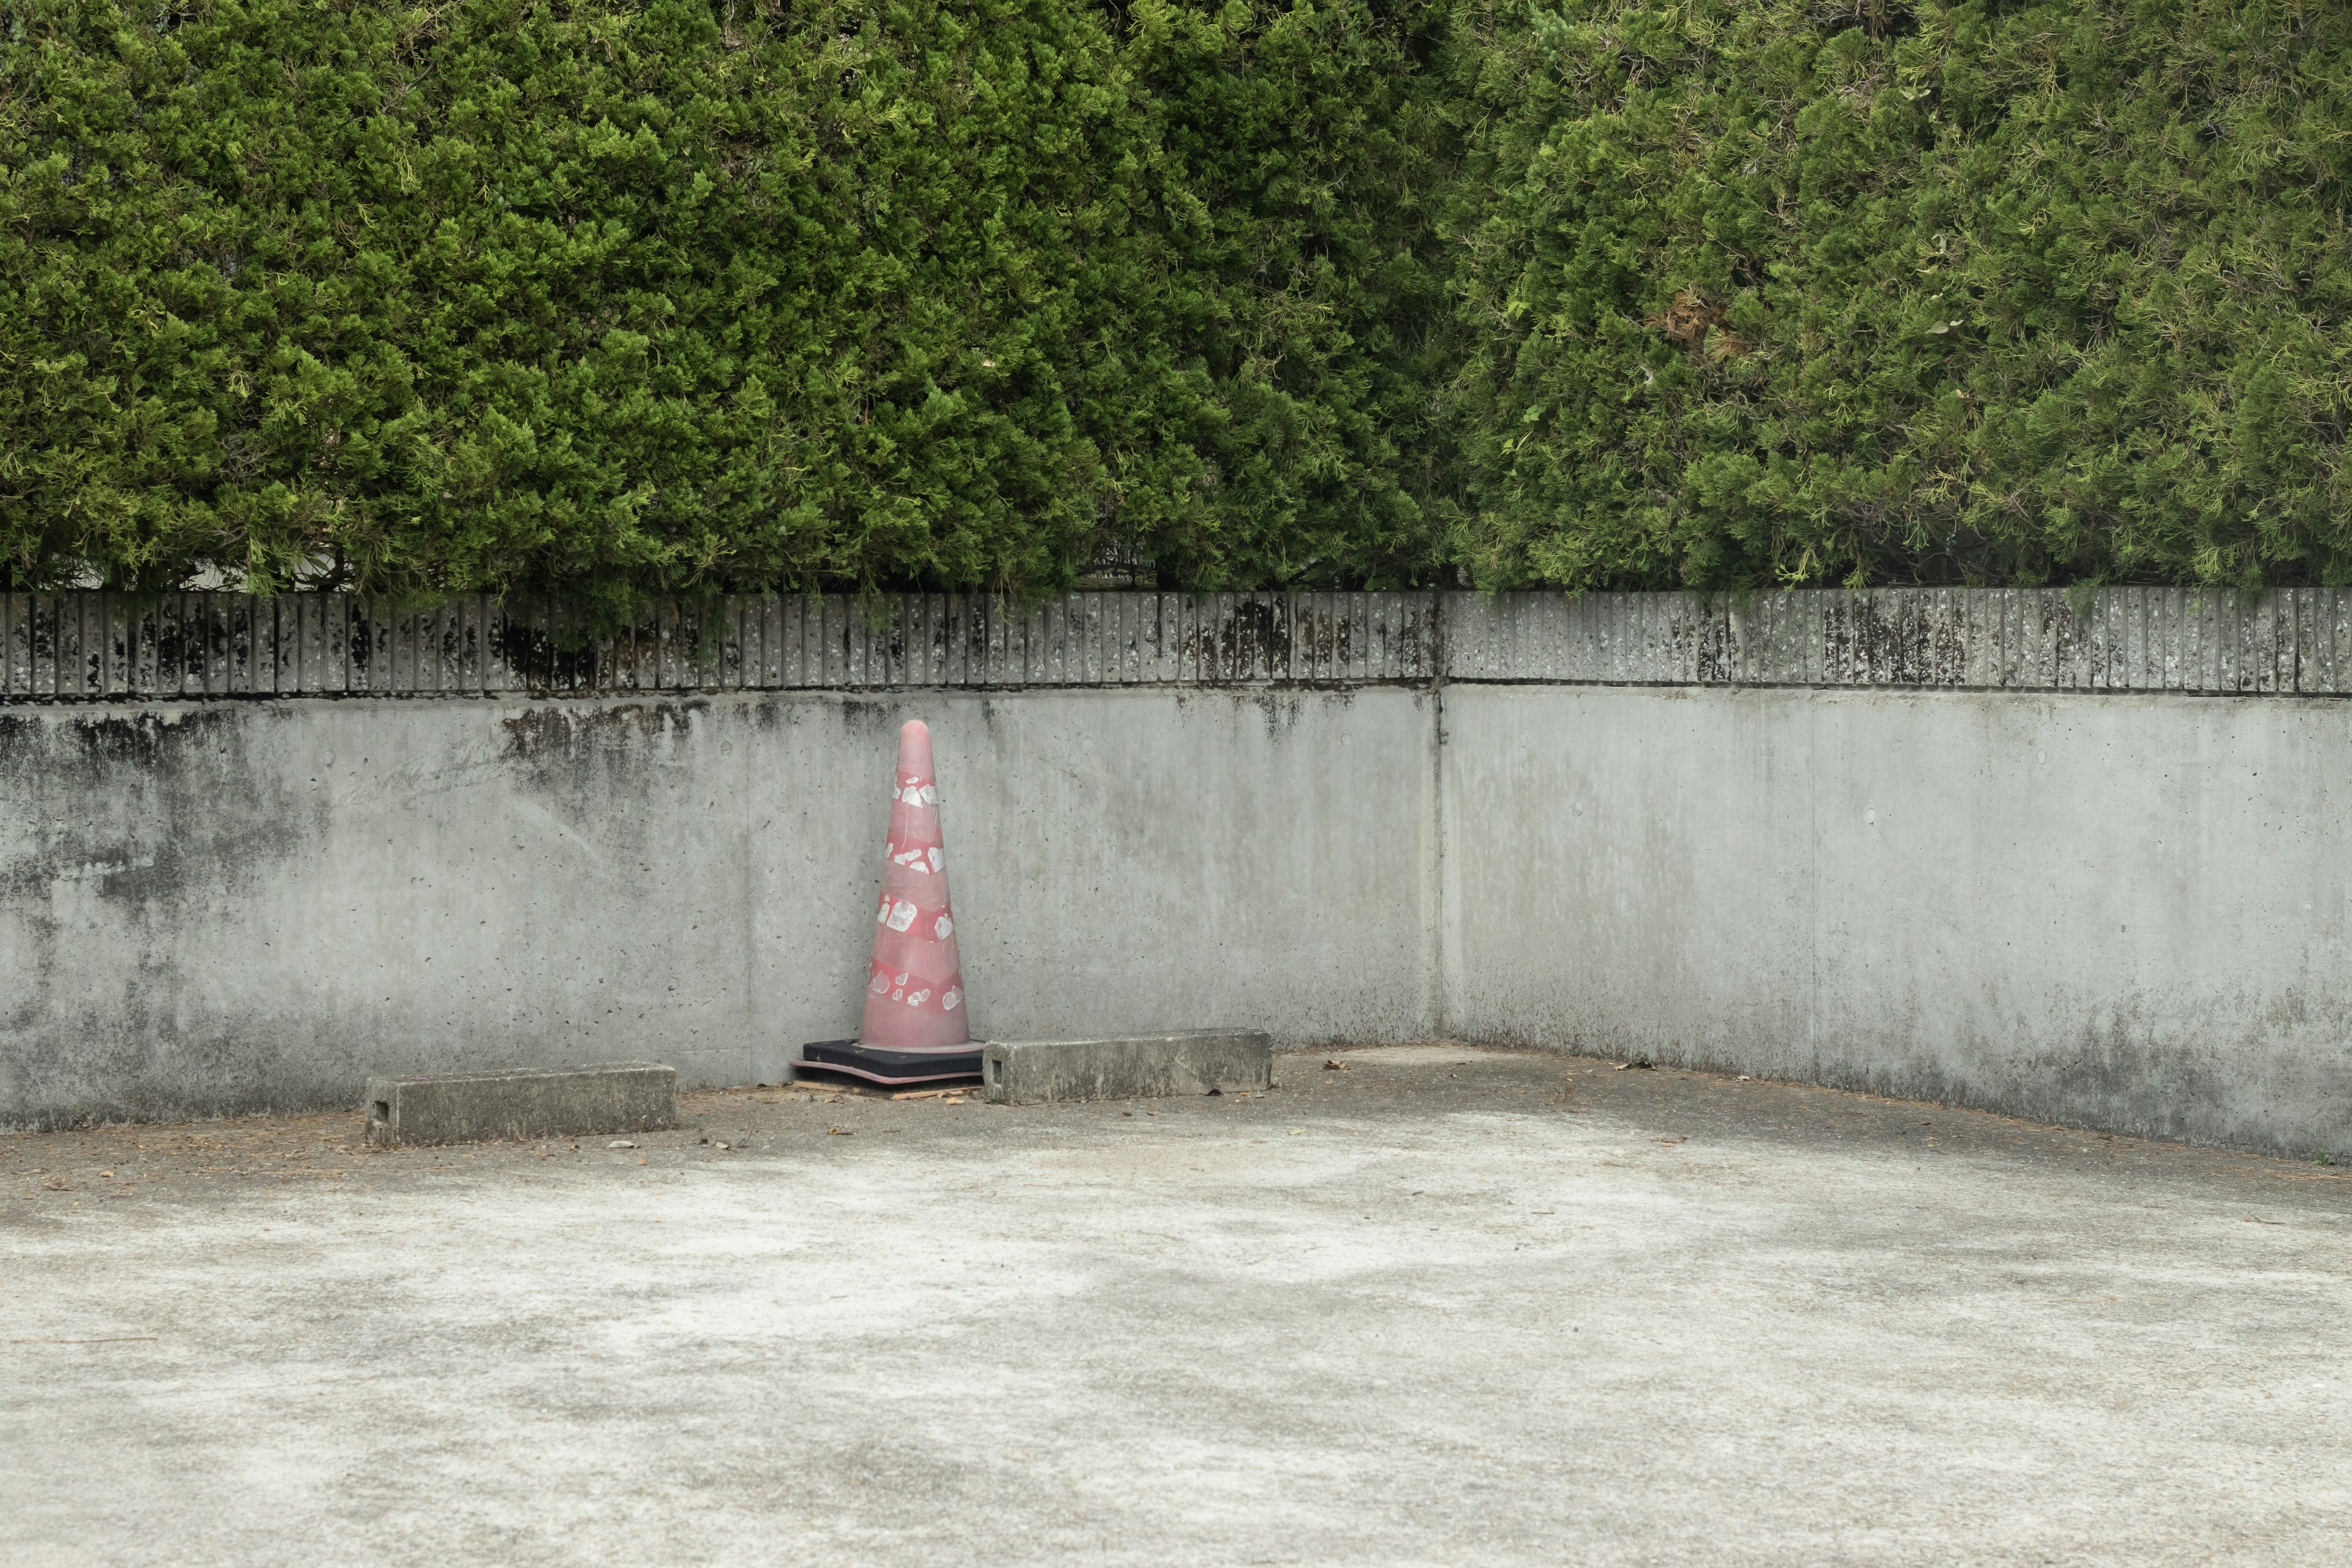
[
  {"x": 1335, "y": 1064},
  {"x": 841, "y": 1132},
  {"x": 1639, "y": 1064},
  {"x": 619, "y": 1143}
]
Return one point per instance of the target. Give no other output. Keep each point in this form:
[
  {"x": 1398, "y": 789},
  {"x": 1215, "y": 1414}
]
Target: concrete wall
[
  {"x": 1984, "y": 847},
  {"x": 2121, "y": 913},
  {"x": 218, "y": 907}
]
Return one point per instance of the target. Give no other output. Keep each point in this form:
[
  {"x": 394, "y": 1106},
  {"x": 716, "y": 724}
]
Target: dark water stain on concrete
[
  {"x": 132, "y": 831},
  {"x": 155, "y": 794}
]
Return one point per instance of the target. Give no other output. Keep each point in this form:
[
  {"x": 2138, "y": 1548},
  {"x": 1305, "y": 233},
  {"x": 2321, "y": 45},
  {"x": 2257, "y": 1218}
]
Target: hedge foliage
[
  {"x": 679, "y": 294},
  {"x": 694, "y": 294},
  {"x": 1777, "y": 292}
]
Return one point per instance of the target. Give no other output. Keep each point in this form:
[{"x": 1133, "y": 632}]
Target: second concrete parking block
[{"x": 1135, "y": 1067}]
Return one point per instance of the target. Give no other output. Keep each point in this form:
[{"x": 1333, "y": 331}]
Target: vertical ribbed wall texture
[{"x": 93, "y": 647}]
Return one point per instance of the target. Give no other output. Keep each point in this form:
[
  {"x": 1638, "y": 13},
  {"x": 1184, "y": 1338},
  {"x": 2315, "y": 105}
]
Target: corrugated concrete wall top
[
  {"x": 98, "y": 646},
  {"x": 91, "y": 646},
  {"x": 2116, "y": 640}
]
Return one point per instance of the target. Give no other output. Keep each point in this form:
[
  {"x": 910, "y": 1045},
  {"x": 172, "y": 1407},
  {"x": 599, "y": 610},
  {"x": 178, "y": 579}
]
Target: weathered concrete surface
[
  {"x": 1523, "y": 1310},
  {"x": 2128, "y": 912},
  {"x": 2113, "y": 910},
  {"x": 93, "y": 647},
  {"x": 522, "y": 1102},
  {"x": 214, "y": 909},
  {"x": 1203, "y": 1061}
]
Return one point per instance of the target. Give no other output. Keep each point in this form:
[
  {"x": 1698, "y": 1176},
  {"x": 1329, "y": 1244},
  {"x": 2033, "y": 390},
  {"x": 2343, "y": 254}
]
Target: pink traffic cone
[
  {"x": 914, "y": 987},
  {"x": 914, "y": 1030}
]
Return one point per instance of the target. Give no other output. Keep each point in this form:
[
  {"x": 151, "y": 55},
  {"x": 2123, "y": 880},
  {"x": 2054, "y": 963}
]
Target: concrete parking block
[
  {"x": 1133, "y": 1066},
  {"x": 527, "y": 1102}
]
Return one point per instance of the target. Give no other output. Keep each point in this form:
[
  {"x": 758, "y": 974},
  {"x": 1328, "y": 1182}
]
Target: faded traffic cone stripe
[{"x": 914, "y": 987}]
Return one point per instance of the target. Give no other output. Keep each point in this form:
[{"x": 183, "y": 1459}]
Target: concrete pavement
[{"x": 1437, "y": 1306}]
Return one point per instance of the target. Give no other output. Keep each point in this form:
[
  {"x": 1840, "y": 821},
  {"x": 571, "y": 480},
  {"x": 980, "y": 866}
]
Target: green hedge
[
  {"x": 684, "y": 295},
  {"x": 698, "y": 294},
  {"x": 1775, "y": 292}
]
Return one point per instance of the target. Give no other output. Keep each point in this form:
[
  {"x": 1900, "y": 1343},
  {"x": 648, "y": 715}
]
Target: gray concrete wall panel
[
  {"x": 219, "y": 908},
  {"x": 2122, "y": 912}
]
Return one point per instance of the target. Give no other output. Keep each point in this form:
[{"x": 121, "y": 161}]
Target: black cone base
[{"x": 879, "y": 1066}]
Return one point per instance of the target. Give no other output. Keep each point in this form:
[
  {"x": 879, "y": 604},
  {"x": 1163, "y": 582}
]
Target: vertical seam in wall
[
  {"x": 1812, "y": 1073},
  {"x": 755, "y": 1057},
  {"x": 1434, "y": 913}
]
